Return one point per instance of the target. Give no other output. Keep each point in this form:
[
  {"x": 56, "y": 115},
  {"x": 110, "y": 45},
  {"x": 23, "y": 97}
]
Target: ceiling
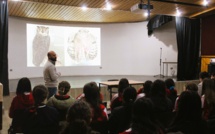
[{"x": 71, "y": 11}]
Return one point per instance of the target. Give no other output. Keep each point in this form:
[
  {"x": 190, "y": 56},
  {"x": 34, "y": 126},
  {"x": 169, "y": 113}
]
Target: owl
[{"x": 41, "y": 43}]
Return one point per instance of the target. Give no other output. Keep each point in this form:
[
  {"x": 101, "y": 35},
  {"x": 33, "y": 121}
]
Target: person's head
[
  {"x": 208, "y": 88},
  {"x": 143, "y": 119},
  {"x": 24, "y": 85},
  {"x": 191, "y": 87},
  {"x": 158, "y": 89},
  {"x": 40, "y": 94},
  {"x": 52, "y": 56},
  {"x": 63, "y": 87},
  {"x": 123, "y": 83},
  {"x": 91, "y": 91},
  {"x": 79, "y": 117},
  {"x": 189, "y": 106},
  {"x": 129, "y": 95},
  {"x": 203, "y": 75},
  {"x": 170, "y": 84},
  {"x": 147, "y": 87},
  {"x": 207, "y": 85}
]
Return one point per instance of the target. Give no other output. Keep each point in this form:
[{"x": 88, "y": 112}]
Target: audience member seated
[
  {"x": 99, "y": 111},
  {"x": 81, "y": 96},
  {"x": 41, "y": 119},
  {"x": 20, "y": 102},
  {"x": 189, "y": 87},
  {"x": 120, "y": 118},
  {"x": 163, "y": 105},
  {"x": 170, "y": 89},
  {"x": 143, "y": 118},
  {"x": 78, "y": 119},
  {"x": 62, "y": 100},
  {"x": 208, "y": 101},
  {"x": 188, "y": 118},
  {"x": 202, "y": 76},
  {"x": 117, "y": 98},
  {"x": 145, "y": 90}
]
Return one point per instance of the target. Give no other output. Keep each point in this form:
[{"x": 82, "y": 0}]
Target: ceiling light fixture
[
  {"x": 84, "y": 8},
  {"x": 178, "y": 12},
  {"x": 205, "y": 2},
  {"x": 108, "y": 6}
]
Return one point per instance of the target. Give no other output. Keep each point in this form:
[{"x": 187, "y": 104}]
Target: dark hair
[
  {"x": 189, "y": 105},
  {"x": 147, "y": 87},
  {"x": 24, "y": 85},
  {"x": 129, "y": 95},
  {"x": 40, "y": 93},
  {"x": 170, "y": 83},
  {"x": 208, "y": 88},
  {"x": 143, "y": 118},
  {"x": 158, "y": 89},
  {"x": 123, "y": 83},
  {"x": 78, "y": 118},
  {"x": 92, "y": 96},
  {"x": 204, "y": 75},
  {"x": 191, "y": 86},
  {"x": 63, "y": 87}
]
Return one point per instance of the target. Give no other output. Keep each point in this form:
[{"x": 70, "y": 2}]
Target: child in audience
[
  {"x": 20, "y": 102},
  {"x": 202, "y": 76},
  {"x": 99, "y": 111},
  {"x": 170, "y": 89},
  {"x": 120, "y": 118},
  {"x": 208, "y": 98},
  {"x": 188, "y": 118},
  {"x": 78, "y": 119},
  {"x": 143, "y": 118},
  {"x": 62, "y": 100},
  {"x": 189, "y": 87},
  {"x": 41, "y": 119},
  {"x": 117, "y": 98},
  {"x": 145, "y": 90},
  {"x": 163, "y": 105}
]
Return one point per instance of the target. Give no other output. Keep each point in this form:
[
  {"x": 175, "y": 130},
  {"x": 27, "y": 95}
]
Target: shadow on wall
[{"x": 167, "y": 34}]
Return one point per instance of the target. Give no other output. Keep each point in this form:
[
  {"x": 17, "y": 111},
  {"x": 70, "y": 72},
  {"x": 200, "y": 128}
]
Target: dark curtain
[
  {"x": 188, "y": 42},
  {"x": 156, "y": 22},
  {"x": 4, "y": 46}
]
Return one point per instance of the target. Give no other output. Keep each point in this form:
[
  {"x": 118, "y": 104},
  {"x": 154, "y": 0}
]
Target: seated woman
[
  {"x": 188, "y": 118},
  {"x": 41, "y": 119},
  {"x": 99, "y": 112},
  {"x": 62, "y": 100},
  {"x": 143, "y": 119},
  {"x": 20, "y": 102},
  {"x": 78, "y": 119},
  {"x": 117, "y": 98}
]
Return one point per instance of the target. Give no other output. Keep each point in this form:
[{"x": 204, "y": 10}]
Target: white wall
[{"x": 126, "y": 49}]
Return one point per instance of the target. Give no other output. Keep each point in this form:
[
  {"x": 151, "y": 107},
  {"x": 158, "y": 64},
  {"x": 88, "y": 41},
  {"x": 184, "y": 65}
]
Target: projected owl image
[
  {"x": 41, "y": 43},
  {"x": 82, "y": 47}
]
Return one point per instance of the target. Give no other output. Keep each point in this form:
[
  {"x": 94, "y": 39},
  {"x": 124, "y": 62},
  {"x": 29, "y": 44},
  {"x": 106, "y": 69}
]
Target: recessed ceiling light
[
  {"x": 108, "y": 7},
  {"x": 205, "y": 2},
  {"x": 146, "y": 14},
  {"x": 178, "y": 12},
  {"x": 84, "y": 8}
]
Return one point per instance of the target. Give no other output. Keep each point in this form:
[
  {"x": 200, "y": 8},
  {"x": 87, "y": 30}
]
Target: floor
[{"x": 77, "y": 82}]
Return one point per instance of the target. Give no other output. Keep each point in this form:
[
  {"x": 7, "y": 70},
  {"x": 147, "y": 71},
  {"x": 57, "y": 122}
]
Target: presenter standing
[{"x": 50, "y": 73}]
